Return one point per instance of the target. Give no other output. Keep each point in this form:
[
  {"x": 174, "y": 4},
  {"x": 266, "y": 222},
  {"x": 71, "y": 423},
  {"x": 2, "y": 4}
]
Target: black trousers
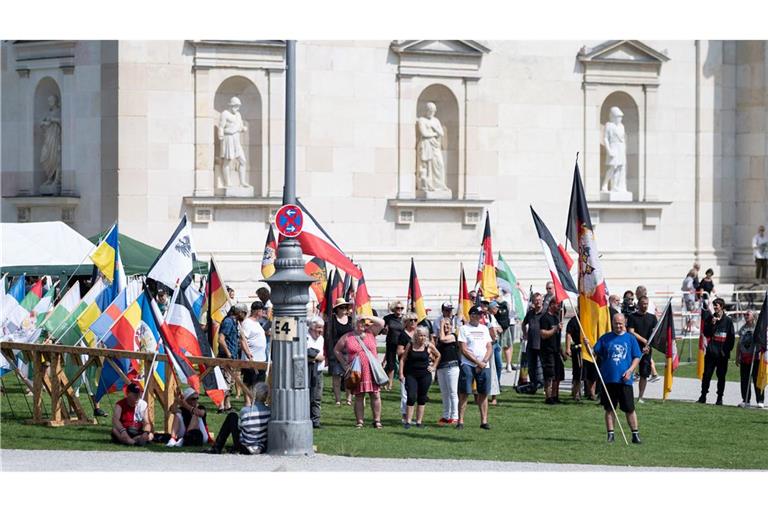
[
  {"x": 534, "y": 360},
  {"x": 718, "y": 365},
  {"x": 315, "y": 393},
  {"x": 417, "y": 387},
  {"x": 745, "y": 370},
  {"x": 761, "y": 268},
  {"x": 230, "y": 427}
]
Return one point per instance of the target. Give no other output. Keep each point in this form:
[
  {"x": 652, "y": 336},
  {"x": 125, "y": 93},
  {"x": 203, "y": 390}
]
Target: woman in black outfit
[
  {"x": 339, "y": 325},
  {"x": 393, "y": 327},
  {"x": 419, "y": 361}
]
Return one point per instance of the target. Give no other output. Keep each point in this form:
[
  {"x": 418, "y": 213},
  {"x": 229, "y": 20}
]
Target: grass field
[{"x": 523, "y": 429}]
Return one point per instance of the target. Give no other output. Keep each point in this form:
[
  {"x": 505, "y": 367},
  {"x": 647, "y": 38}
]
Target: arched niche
[
  {"x": 251, "y": 112},
  {"x": 631, "y": 123},
  {"x": 448, "y": 114},
  {"x": 46, "y": 88}
]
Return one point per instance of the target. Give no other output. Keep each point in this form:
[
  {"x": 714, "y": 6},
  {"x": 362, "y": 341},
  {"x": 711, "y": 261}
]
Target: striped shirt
[{"x": 253, "y": 424}]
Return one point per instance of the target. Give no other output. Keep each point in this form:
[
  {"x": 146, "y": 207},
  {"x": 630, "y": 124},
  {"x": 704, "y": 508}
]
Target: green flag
[{"x": 506, "y": 279}]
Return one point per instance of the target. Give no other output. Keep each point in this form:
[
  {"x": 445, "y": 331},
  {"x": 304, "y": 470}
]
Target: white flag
[{"x": 174, "y": 263}]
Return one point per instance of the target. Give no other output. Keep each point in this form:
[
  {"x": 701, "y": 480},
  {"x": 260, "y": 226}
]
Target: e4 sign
[{"x": 285, "y": 328}]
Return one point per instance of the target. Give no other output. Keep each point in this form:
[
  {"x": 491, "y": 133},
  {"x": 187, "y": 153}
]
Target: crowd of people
[{"x": 463, "y": 358}]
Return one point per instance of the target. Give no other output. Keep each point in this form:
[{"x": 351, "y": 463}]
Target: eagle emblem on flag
[{"x": 184, "y": 246}]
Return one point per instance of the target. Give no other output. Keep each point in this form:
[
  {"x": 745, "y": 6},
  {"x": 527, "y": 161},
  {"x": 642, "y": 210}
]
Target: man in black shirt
[
  {"x": 550, "y": 328},
  {"x": 531, "y": 333},
  {"x": 573, "y": 350},
  {"x": 641, "y": 323},
  {"x": 720, "y": 334}
]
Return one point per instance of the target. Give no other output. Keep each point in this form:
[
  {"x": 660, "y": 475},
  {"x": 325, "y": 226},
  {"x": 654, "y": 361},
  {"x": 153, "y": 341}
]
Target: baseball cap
[
  {"x": 493, "y": 304},
  {"x": 189, "y": 392},
  {"x": 474, "y": 310},
  {"x": 447, "y": 305}
]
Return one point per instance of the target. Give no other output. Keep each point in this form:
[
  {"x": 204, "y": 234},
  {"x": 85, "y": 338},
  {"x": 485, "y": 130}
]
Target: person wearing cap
[
  {"x": 393, "y": 327},
  {"x": 364, "y": 335},
  {"x": 248, "y": 430},
  {"x": 446, "y": 314},
  {"x": 339, "y": 325},
  {"x": 476, "y": 353},
  {"x": 130, "y": 423},
  {"x": 230, "y": 343},
  {"x": 253, "y": 344},
  {"x": 189, "y": 427}
]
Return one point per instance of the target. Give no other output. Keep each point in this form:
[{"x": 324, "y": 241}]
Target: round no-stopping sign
[{"x": 289, "y": 220}]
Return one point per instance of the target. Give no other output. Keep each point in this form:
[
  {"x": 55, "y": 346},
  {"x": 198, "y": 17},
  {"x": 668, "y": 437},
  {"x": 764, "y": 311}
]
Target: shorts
[
  {"x": 645, "y": 365},
  {"x": 589, "y": 371},
  {"x": 482, "y": 380},
  {"x": 548, "y": 364},
  {"x": 508, "y": 337},
  {"x": 621, "y": 396},
  {"x": 252, "y": 376}
]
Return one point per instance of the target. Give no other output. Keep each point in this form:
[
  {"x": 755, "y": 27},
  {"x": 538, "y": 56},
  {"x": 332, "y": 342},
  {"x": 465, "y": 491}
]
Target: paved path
[{"x": 46, "y": 460}]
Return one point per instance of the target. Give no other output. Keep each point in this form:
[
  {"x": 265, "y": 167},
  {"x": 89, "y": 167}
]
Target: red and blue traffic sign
[{"x": 289, "y": 220}]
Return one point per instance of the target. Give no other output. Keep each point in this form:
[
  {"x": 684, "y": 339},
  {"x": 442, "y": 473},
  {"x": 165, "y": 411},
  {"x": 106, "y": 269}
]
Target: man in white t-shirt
[
  {"x": 253, "y": 346},
  {"x": 476, "y": 352}
]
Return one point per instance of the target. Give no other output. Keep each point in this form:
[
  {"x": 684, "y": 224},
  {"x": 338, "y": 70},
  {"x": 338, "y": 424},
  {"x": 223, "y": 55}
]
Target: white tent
[{"x": 39, "y": 248}]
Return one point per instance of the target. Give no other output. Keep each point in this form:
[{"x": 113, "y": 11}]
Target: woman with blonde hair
[
  {"x": 420, "y": 358},
  {"x": 406, "y": 336}
]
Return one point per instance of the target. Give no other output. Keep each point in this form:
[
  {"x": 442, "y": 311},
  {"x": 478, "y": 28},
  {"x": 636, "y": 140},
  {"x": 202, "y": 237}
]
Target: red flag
[
  {"x": 362, "y": 299},
  {"x": 316, "y": 268},
  {"x": 486, "y": 270}
]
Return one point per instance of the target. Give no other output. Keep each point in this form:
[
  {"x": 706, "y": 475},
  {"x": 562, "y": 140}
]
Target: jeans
[
  {"x": 712, "y": 364},
  {"x": 746, "y": 371},
  {"x": 448, "y": 378},
  {"x": 315, "y": 393},
  {"x": 403, "y": 397},
  {"x": 497, "y": 360}
]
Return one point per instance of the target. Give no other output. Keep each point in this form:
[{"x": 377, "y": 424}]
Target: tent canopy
[
  {"x": 44, "y": 248},
  {"x": 138, "y": 257}
]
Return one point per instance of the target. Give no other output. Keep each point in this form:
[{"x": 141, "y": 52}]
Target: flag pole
[{"x": 599, "y": 374}]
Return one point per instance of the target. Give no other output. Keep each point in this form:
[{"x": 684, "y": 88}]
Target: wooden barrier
[{"x": 49, "y": 377}]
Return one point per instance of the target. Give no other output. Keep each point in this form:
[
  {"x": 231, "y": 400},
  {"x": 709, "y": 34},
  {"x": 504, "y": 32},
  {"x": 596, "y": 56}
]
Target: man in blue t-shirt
[{"x": 619, "y": 354}]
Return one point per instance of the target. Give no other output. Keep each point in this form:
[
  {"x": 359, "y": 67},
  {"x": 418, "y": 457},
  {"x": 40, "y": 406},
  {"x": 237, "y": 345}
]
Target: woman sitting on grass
[
  {"x": 189, "y": 427},
  {"x": 420, "y": 359}
]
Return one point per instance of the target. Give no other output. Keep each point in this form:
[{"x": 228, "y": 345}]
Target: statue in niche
[
  {"x": 616, "y": 158},
  {"x": 231, "y": 128},
  {"x": 50, "y": 154},
  {"x": 430, "y": 165}
]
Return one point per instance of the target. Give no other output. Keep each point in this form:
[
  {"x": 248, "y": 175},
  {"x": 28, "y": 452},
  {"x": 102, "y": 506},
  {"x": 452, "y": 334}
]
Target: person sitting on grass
[
  {"x": 130, "y": 424},
  {"x": 189, "y": 427},
  {"x": 249, "y": 429}
]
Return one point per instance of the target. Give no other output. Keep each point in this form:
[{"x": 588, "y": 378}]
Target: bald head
[{"x": 619, "y": 324}]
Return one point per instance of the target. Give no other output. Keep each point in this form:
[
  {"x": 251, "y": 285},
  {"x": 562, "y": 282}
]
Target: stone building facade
[{"x": 139, "y": 144}]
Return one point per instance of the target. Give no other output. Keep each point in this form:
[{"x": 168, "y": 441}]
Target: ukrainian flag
[{"x": 106, "y": 254}]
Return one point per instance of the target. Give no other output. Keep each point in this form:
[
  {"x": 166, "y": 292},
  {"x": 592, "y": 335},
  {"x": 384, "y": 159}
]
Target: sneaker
[
  {"x": 443, "y": 421},
  {"x": 406, "y": 426},
  {"x": 98, "y": 412},
  {"x": 760, "y": 405},
  {"x": 655, "y": 378},
  {"x": 253, "y": 450},
  {"x": 719, "y": 401},
  {"x": 636, "y": 439},
  {"x": 611, "y": 437},
  {"x": 459, "y": 426},
  {"x": 743, "y": 405},
  {"x": 420, "y": 425},
  {"x": 514, "y": 367},
  {"x": 508, "y": 368},
  {"x": 485, "y": 426},
  {"x": 702, "y": 399},
  {"x": 640, "y": 401},
  {"x": 171, "y": 443},
  {"x": 212, "y": 450}
]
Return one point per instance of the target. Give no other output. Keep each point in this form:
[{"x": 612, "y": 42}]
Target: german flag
[
  {"x": 270, "y": 253},
  {"x": 216, "y": 299},
  {"x": 593, "y": 301},
  {"x": 663, "y": 340},
  {"x": 348, "y": 288},
  {"x": 415, "y": 299},
  {"x": 486, "y": 270},
  {"x": 362, "y": 299},
  {"x": 464, "y": 301},
  {"x": 315, "y": 268}
]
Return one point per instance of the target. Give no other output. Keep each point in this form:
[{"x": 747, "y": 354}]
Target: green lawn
[{"x": 523, "y": 429}]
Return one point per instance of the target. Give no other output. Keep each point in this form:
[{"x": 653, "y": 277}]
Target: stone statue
[
  {"x": 616, "y": 158},
  {"x": 230, "y": 129},
  {"x": 50, "y": 154},
  {"x": 430, "y": 166}
]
